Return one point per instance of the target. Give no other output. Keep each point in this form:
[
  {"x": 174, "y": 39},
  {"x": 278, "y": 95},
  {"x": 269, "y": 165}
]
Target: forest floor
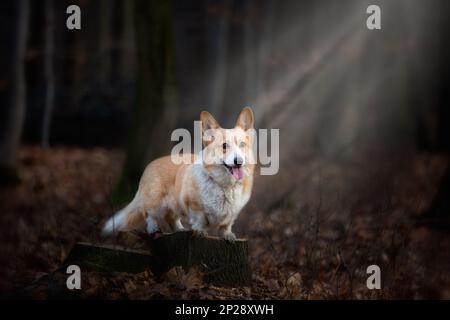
[{"x": 312, "y": 241}]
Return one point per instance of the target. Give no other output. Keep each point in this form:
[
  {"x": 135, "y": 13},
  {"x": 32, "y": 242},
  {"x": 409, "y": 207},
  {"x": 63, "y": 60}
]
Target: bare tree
[
  {"x": 15, "y": 110},
  {"x": 128, "y": 44},
  {"x": 154, "y": 112},
  {"x": 218, "y": 28},
  {"x": 438, "y": 215},
  {"x": 105, "y": 40},
  {"x": 49, "y": 71},
  {"x": 250, "y": 57}
]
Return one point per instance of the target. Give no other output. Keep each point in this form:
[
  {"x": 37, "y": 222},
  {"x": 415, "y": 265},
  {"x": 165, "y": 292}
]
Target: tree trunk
[
  {"x": 13, "y": 119},
  {"x": 155, "y": 113},
  {"x": 128, "y": 55},
  {"x": 250, "y": 53},
  {"x": 438, "y": 215},
  {"x": 263, "y": 52},
  {"x": 49, "y": 71},
  {"x": 217, "y": 50},
  {"x": 105, "y": 45}
]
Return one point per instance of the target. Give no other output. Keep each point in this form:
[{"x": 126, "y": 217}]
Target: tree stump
[
  {"x": 109, "y": 258},
  {"x": 223, "y": 263}
]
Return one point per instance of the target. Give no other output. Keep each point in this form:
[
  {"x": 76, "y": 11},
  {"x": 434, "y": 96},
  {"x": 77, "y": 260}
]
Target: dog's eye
[
  {"x": 242, "y": 144},
  {"x": 225, "y": 146}
]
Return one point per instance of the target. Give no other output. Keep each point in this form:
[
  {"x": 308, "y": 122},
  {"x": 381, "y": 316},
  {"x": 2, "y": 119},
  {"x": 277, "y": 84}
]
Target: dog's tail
[{"x": 127, "y": 219}]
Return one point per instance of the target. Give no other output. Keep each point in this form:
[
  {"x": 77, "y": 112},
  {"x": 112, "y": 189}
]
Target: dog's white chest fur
[{"x": 221, "y": 204}]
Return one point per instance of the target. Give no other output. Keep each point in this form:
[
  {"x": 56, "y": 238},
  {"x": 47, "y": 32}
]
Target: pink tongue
[{"x": 237, "y": 172}]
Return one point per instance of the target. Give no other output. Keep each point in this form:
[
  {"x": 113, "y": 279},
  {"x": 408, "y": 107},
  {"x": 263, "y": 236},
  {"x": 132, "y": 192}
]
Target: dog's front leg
[
  {"x": 226, "y": 233},
  {"x": 174, "y": 221},
  {"x": 198, "y": 223},
  {"x": 178, "y": 226}
]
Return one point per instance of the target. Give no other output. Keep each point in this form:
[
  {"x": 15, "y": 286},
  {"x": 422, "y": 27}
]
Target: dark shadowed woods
[{"x": 364, "y": 138}]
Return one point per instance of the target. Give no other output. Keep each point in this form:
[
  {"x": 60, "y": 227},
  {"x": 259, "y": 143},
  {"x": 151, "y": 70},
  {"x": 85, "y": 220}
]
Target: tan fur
[{"x": 205, "y": 195}]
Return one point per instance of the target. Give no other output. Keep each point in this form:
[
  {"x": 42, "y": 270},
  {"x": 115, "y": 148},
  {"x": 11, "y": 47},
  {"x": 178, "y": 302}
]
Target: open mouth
[{"x": 236, "y": 171}]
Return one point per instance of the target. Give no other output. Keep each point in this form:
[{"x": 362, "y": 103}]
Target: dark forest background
[{"x": 363, "y": 118}]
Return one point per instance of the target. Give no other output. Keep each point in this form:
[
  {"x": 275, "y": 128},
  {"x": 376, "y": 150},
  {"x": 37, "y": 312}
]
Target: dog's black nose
[{"x": 238, "y": 161}]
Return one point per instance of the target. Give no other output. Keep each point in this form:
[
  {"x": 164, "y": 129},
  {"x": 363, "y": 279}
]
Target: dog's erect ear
[
  {"x": 245, "y": 119},
  {"x": 208, "y": 125},
  {"x": 208, "y": 122}
]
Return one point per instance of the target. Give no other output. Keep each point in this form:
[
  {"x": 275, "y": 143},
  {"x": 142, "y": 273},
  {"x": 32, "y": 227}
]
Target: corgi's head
[{"x": 228, "y": 153}]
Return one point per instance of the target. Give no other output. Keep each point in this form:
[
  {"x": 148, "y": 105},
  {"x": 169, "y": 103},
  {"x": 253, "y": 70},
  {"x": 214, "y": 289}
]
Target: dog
[{"x": 206, "y": 195}]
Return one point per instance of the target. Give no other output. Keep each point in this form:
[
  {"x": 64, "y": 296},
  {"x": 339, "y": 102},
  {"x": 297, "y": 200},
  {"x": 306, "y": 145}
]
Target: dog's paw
[{"x": 229, "y": 236}]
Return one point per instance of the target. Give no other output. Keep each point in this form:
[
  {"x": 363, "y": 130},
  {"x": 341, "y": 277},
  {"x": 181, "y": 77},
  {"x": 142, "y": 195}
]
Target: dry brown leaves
[{"x": 314, "y": 244}]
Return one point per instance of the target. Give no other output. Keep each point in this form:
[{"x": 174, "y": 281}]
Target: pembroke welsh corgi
[{"x": 205, "y": 195}]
